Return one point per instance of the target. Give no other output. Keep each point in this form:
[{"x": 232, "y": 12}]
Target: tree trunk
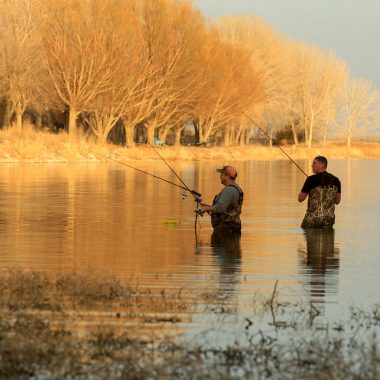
[
  {"x": 72, "y": 120},
  {"x": 226, "y": 138},
  {"x": 38, "y": 122},
  {"x": 306, "y": 131},
  {"x": 270, "y": 138},
  {"x": 19, "y": 121},
  {"x": 238, "y": 135},
  {"x": 205, "y": 135},
  {"x": 163, "y": 134},
  {"x": 102, "y": 137},
  {"x": 310, "y": 132},
  {"x": 294, "y": 134},
  {"x": 349, "y": 129},
  {"x": 7, "y": 116},
  {"x": 129, "y": 135},
  {"x": 196, "y": 131},
  {"x": 325, "y": 135},
  {"x": 177, "y": 141},
  {"x": 242, "y": 137},
  {"x": 247, "y": 136},
  {"x": 199, "y": 138},
  {"x": 150, "y": 133}
]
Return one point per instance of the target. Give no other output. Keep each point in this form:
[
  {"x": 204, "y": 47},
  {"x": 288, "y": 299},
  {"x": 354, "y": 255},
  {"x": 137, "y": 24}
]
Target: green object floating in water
[{"x": 171, "y": 222}]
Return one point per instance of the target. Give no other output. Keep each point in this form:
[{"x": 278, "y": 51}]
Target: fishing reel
[
  {"x": 198, "y": 211},
  {"x": 195, "y": 193},
  {"x": 184, "y": 194},
  {"x": 198, "y": 201},
  {"x": 197, "y": 197}
]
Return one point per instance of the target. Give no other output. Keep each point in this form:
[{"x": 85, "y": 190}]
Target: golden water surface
[{"x": 110, "y": 220}]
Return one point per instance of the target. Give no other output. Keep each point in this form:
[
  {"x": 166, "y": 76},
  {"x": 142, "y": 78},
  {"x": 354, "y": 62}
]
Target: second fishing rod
[
  {"x": 194, "y": 193},
  {"x": 184, "y": 187},
  {"x": 274, "y": 142}
]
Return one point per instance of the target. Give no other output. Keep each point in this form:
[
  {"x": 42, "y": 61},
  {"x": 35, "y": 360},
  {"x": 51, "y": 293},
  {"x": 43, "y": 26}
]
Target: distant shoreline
[{"x": 43, "y": 147}]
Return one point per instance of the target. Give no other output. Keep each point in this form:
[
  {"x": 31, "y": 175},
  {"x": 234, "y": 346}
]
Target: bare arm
[
  {"x": 302, "y": 197},
  {"x": 208, "y": 208},
  {"x": 337, "y": 198}
]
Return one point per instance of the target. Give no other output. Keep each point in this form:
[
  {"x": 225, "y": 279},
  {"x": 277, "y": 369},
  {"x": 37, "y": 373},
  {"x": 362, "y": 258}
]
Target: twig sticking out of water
[
  {"x": 271, "y": 302},
  {"x": 314, "y": 312}
]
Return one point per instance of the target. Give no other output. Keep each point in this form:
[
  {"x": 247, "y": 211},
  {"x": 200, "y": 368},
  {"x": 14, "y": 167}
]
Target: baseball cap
[{"x": 228, "y": 170}]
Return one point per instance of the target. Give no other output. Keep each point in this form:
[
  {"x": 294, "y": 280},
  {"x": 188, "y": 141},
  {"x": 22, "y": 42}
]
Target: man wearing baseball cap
[{"x": 226, "y": 208}]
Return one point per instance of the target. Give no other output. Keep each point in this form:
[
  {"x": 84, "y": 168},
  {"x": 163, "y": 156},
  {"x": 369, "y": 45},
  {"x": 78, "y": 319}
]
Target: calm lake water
[{"x": 108, "y": 219}]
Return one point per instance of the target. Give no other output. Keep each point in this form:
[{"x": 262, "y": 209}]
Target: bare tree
[
  {"x": 19, "y": 54},
  {"x": 319, "y": 80},
  {"x": 360, "y": 105},
  {"x": 171, "y": 33},
  {"x": 128, "y": 75},
  {"x": 79, "y": 54},
  {"x": 270, "y": 61},
  {"x": 232, "y": 86}
]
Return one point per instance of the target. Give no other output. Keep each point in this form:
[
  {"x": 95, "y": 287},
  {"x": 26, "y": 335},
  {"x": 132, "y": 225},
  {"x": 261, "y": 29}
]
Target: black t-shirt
[
  {"x": 323, "y": 179},
  {"x": 322, "y": 189}
]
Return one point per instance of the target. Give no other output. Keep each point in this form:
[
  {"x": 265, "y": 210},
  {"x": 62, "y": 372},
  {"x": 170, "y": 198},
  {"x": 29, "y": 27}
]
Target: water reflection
[
  {"x": 107, "y": 219},
  {"x": 321, "y": 262},
  {"x": 227, "y": 251}
]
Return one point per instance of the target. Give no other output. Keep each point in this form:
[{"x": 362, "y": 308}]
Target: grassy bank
[
  {"x": 32, "y": 146},
  {"x": 75, "y": 327}
]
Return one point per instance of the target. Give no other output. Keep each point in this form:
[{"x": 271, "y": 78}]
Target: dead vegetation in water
[
  {"x": 37, "y": 339},
  {"x": 20, "y": 290}
]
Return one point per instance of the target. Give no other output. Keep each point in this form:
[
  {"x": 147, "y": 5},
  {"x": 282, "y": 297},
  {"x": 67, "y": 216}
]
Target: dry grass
[
  {"x": 32, "y": 146},
  {"x": 37, "y": 338},
  {"x": 37, "y": 291}
]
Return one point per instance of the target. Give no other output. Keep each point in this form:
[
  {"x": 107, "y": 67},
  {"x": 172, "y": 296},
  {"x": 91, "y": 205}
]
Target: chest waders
[{"x": 230, "y": 219}]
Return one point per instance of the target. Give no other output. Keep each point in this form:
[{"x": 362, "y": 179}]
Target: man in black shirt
[{"x": 324, "y": 191}]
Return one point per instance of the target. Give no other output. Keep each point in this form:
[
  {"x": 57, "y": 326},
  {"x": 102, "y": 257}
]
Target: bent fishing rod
[{"x": 278, "y": 146}]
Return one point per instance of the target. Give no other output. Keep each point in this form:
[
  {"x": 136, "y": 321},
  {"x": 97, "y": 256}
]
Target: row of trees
[{"x": 159, "y": 65}]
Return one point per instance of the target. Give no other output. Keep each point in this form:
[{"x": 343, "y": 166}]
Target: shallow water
[{"x": 109, "y": 219}]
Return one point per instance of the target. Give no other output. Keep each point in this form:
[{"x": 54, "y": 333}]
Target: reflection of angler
[
  {"x": 227, "y": 250},
  {"x": 229, "y": 242},
  {"x": 322, "y": 257}
]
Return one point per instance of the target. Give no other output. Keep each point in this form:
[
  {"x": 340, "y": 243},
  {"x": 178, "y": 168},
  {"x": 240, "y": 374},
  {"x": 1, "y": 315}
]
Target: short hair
[{"x": 322, "y": 160}]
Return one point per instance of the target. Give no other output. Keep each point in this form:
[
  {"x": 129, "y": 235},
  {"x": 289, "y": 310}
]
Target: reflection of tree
[{"x": 321, "y": 262}]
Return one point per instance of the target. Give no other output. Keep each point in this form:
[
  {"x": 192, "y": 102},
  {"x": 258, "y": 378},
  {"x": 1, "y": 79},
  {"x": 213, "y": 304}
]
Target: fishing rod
[
  {"x": 143, "y": 171},
  {"x": 278, "y": 146},
  {"x": 172, "y": 170},
  {"x": 194, "y": 193}
]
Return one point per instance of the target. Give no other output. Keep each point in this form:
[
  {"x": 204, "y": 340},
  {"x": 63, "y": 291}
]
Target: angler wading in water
[
  {"x": 226, "y": 208},
  {"x": 324, "y": 191}
]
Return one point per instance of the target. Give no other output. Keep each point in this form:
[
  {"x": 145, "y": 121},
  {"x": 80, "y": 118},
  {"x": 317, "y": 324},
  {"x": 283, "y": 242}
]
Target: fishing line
[
  {"x": 173, "y": 171},
  {"x": 143, "y": 171},
  {"x": 194, "y": 193},
  {"x": 278, "y": 146}
]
